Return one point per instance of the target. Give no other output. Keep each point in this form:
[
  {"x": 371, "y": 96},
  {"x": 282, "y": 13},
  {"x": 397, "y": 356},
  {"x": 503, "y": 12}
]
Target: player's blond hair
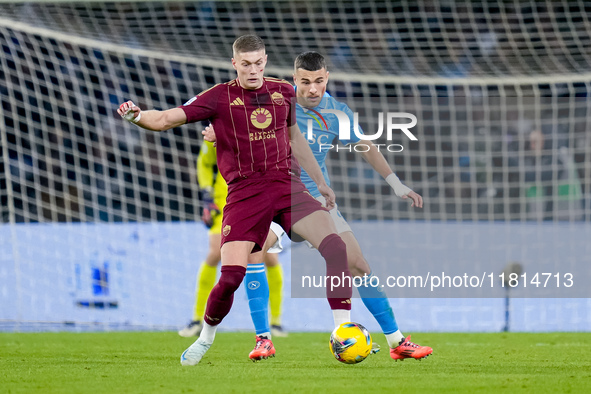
[{"x": 248, "y": 43}]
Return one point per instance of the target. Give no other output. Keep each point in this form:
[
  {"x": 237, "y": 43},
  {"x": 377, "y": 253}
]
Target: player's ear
[
  {"x": 234, "y": 64},
  {"x": 326, "y": 78}
]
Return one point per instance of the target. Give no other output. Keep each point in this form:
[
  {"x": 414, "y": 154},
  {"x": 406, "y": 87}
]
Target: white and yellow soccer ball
[{"x": 350, "y": 343}]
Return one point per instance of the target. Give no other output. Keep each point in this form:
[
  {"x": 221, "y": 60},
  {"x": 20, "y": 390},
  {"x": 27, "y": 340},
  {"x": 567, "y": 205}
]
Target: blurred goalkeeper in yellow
[{"x": 214, "y": 191}]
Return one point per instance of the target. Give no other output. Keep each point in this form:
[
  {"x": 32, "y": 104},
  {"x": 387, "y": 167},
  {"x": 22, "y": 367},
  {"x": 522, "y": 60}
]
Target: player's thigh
[
  {"x": 263, "y": 256},
  {"x": 236, "y": 253},
  {"x": 315, "y": 227}
]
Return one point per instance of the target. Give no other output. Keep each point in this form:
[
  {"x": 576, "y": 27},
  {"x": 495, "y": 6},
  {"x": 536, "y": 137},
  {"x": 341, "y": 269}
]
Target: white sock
[
  {"x": 264, "y": 335},
  {"x": 341, "y": 316},
  {"x": 394, "y": 339},
  {"x": 208, "y": 333}
]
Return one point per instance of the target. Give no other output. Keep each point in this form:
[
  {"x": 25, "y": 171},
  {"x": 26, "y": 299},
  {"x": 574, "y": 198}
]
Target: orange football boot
[
  {"x": 407, "y": 349},
  {"x": 262, "y": 350}
]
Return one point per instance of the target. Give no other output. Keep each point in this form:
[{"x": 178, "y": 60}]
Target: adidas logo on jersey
[{"x": 238, "y": 101}]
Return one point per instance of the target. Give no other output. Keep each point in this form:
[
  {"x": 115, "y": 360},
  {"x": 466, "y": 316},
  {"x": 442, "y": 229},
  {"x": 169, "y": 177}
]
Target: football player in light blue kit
[{"x": 310, "y": 77}]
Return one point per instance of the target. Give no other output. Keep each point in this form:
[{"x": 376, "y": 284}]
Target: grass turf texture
[{"x": 149, "y": 363}]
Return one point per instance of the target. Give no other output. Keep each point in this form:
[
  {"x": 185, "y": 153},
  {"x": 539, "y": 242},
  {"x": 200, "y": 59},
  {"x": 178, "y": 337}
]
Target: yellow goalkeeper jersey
[{"x": 208, "y": 177}]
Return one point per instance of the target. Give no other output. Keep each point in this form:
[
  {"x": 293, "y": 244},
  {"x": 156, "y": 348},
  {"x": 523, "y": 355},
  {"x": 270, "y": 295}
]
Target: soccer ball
[{"x": 350, "y": 343}]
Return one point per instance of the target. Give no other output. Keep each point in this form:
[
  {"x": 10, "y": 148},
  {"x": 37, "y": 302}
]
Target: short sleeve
[{"x": 203, "y": 106}]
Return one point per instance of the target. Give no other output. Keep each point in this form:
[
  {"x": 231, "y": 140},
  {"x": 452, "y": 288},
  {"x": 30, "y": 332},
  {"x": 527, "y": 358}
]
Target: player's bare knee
[{"x": 358, "y": 266}]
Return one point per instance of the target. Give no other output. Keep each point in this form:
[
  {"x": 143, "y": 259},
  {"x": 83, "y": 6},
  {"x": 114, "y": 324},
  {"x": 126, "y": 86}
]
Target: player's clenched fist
[{"x": 130, "y": 112}]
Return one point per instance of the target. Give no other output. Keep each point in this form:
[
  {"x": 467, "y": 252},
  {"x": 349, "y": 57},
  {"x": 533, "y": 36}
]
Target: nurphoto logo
[{"x": 345, "y": 130}]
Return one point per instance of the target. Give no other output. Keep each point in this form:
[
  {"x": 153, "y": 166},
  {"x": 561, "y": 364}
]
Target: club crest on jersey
[
  {"x": 226, "y": 230},
  {"x": 261, "y": 118},
  {"x": 277, "y": 98}
]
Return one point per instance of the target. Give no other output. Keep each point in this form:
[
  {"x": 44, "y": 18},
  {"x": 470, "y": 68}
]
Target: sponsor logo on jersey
[
  {"x": 262, "y": 135},
  {"x": 261, "y": 118},
  {"x": 237, "y": 101},
  {"x": 277, "y": 98}
]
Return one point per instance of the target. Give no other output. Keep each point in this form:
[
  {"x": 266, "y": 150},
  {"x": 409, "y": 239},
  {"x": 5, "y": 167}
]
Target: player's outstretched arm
[
  {"x": 302, "y": 152},
  {"x": 377, "y": 160},
  {"x": 152, "y": 120}
]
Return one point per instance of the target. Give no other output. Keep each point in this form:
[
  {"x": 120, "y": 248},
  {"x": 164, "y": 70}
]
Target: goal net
[{"x": 500, "y": 91}]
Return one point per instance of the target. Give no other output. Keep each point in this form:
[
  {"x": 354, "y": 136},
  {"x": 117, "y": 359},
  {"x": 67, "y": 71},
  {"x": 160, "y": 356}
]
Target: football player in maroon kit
[{"x": 256, "y": 134}]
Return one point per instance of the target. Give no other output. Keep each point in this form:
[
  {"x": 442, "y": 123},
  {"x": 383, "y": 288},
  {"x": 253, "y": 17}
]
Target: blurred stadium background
[{"x": 100, "y": 220}]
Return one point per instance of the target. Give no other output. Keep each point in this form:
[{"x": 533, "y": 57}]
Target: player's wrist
[
  {"x": 320, "y": 182},
  {"x": 399, "y": 188},
  {"x": 130, "y": 117},
  {"x": 137, "y": 118}
]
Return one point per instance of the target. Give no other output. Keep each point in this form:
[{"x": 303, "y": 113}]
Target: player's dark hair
[
  {"x": 248, "y": 43},
  {"x": 310, "y": 61}
]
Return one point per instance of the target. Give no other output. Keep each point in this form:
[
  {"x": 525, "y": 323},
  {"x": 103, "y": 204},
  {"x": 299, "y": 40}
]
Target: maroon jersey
[{"x": 251, "y": 126}]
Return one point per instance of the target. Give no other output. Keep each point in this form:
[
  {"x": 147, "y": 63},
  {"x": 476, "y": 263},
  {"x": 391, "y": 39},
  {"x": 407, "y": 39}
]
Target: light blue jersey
[{"x": 325, "y": 129}]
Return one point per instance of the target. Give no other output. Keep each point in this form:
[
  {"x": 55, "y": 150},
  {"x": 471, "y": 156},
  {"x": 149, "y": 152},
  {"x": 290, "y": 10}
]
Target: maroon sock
[
  {"x": 221, "y": 297},
  {"x": 334, "y": 251}
]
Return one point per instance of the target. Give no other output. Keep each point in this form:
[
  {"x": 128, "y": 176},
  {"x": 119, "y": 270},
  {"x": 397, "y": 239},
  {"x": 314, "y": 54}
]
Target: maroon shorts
[{"x": 253, "y": 203}]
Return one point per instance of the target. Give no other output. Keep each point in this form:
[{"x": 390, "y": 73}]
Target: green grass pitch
[{"x": 149, "y": 363}]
